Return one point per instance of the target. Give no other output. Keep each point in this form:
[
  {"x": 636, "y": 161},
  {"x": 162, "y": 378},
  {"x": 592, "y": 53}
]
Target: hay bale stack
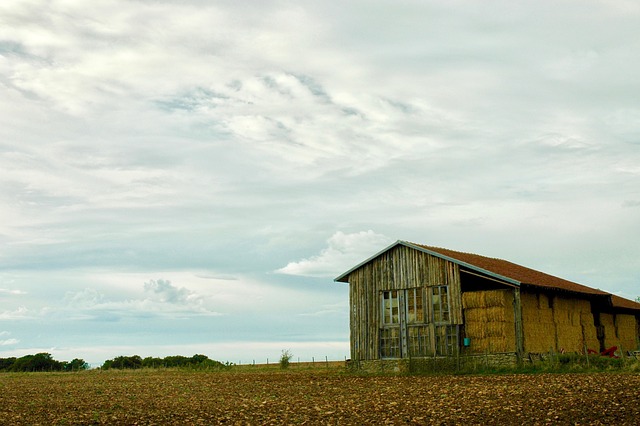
[
  {"x": 626, "y": 331},
  {"x": 489, "y": 320},
  {"x": 619, "y": 330},
  {"x": 557, "y": 323},
  {"x": 569, "y": 338},
  {"x": 608, "y": 323},
  {"x": 589, "y": 332},
  {"x": 568, "y": 319},
  {"x": 537, "y": 322}
]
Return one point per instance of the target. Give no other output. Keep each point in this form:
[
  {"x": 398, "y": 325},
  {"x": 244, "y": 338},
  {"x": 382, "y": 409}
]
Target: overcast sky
[{"x": 181, "y": 177}]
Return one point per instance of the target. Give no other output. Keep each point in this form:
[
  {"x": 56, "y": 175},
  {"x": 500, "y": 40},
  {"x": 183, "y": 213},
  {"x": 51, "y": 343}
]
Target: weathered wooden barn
[{"x": 411, "y": 300}]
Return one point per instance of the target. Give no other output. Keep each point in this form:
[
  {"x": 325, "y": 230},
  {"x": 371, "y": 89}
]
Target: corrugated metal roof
[{"x": 504, "y": 270}]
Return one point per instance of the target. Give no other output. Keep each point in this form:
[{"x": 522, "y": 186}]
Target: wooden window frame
[{"x": 440, "y": 315}]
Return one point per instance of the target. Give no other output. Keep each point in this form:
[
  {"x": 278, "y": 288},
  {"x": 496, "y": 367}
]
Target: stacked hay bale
[
  {"x": 608, "y": 324},
  {"x": 537, "y": 323},
  {"x": 557, "y": 323},
  {"x": 589, "y": 330},
  {"x": 626, "y": 326},
  {"x": 620, "y": 330},
  {"x": 574, "y": 324},
  {"x": 489, "y": 320}
]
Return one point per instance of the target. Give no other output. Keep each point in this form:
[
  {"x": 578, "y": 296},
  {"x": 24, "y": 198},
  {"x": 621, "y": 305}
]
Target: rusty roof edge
[{"x": 461, "y": 263}]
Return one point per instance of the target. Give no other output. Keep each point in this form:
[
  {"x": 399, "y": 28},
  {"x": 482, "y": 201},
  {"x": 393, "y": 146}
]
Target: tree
[
  {"x": 77, "y": 364},
  {"x": 39, "y": 362},
  {"x": 122, "y": 362}
]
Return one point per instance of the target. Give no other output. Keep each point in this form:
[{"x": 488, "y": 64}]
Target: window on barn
[
  {"x": 390, "y": 342},
  {"x": 415, "y": 311},
  {"x": 390, "y": 307},
  {"x": 390, "y": 333},
  {"x": 446, "y": 339},
  {"x": 419, "y": 340},
  {"x": 440, "y": 304}
]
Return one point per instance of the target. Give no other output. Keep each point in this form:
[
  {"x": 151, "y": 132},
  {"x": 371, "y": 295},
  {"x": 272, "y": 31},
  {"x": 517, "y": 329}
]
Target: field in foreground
[{"x": 315, "y": 397}]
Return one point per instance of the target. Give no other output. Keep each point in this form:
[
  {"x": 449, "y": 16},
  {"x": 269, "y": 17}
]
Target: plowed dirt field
[{"x": 162, "y": 397}]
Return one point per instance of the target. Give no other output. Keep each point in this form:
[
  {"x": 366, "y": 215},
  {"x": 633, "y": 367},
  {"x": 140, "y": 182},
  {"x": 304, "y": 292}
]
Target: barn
[{"x": 412, "y": 300}]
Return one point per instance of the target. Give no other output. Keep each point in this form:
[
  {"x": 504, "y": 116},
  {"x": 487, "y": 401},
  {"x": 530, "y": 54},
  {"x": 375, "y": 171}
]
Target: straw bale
[
  {"x": 589, "y": 331},
  {"x": 510, "y": 337},
  {"x": 627, "y": 331},
  {"x": 485, "y": 299},
  {"x": 475, "y": 315},
  {"x": 566, "y": 311},
  {"x": 590, "y": 337},
  {"x": 494, "y": 313},
  {"x": 499, "y": 298},
  {"x": 569, "y": 338},
  {"x": 586, "y": 318},
  {"x": 475, "y": 299},
  {"x": 543, "y": 301},
  {"x": 532, "y": 314},
  {"x": 497, "y": 344},
  {"x": 475, "y": 329},
  {"x": 539, "y": 339},
  {"x": 530, "y": 306},
  {"x": 582, "y": 305},
  {"x": 610, "y": 338},
  {"x": 495, "y": 328},
  {"x": 528, "y": 300},
  {"x": 492, "y": 345},
  {"x": 479, "y": 344}
]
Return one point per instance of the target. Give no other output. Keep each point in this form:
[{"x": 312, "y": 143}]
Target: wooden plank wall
[{"x": 399, "y": 268}]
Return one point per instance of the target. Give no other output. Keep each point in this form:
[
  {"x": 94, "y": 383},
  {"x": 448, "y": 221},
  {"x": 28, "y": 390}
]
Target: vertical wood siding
[{"x": 399, "y": 268}]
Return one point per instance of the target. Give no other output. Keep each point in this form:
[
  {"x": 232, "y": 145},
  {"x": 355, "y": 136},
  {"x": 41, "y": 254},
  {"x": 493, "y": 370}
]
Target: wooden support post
[{"x": 517, "y": 312}]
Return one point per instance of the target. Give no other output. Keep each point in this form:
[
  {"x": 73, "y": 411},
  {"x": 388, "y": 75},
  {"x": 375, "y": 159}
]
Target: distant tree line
[
  {"x": 135, "y": 361},
  {"x": 40, "y": 362}
]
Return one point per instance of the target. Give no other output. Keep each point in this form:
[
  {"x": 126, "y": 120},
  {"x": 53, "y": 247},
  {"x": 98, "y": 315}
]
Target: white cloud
[
  {"x": 14, "y": 292},
  {"x": 9, "y": 342},
  {"x": 165, "y": 292},
  {"x": 160, "y": 298},
  {"x": 19, "y": 313},
  {"x": 342, "y": 252}
]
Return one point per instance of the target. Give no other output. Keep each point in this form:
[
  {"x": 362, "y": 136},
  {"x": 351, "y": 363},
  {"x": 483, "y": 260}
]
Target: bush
[{"x": 285, "y": 358}]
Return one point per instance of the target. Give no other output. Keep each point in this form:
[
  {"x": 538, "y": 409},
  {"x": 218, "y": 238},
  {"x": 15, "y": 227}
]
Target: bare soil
[{"x": 160, "y": 397}]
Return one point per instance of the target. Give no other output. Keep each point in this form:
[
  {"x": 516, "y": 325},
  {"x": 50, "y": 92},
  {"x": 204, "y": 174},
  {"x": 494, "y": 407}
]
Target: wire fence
[{"x": 323, "y": 361}]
